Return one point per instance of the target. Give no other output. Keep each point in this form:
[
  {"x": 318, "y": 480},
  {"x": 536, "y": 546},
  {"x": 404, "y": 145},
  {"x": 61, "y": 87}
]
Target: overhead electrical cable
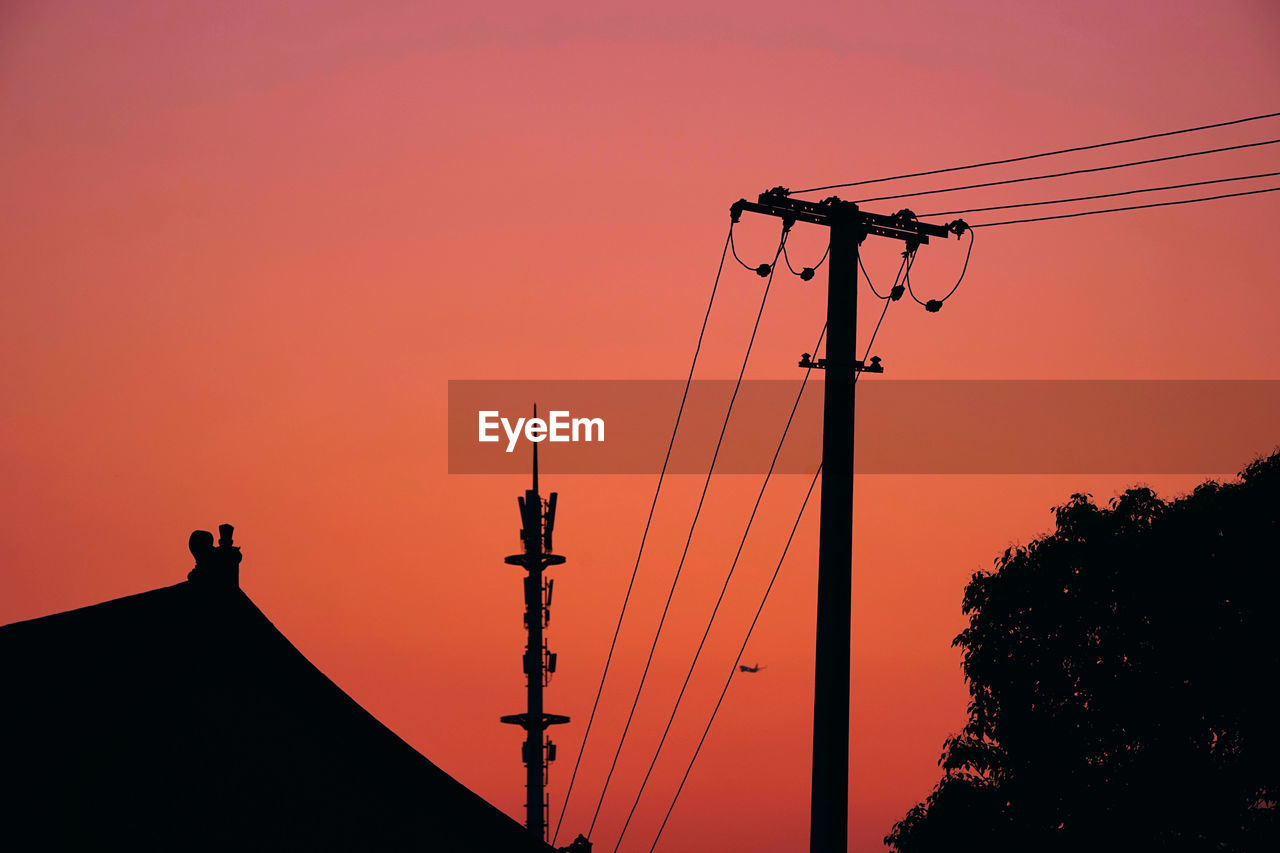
[
  {"x": 763, "y": 600},
  {"x": 1121, "y": 209},
  {"x": 807, "y": 272},
  {"x": 645, "y": 536},
  {"x": 1102, "y": 195},
  {"x": 738, "y": 659},
  {"x": 904, "y": 274},
  {"x": 906, "y": 279},
  {"x": 786, "y": 228},
  {"x": 1073, "y": 171},
  {"x": 896, "y": 277},
  {"x": 883, "y": 311},
  {"x": 723, "y": 589},
  {"x": 1025, "y": 157},
  {"x": 761, "y": 270},
  {"x": 935, "y": 305}
]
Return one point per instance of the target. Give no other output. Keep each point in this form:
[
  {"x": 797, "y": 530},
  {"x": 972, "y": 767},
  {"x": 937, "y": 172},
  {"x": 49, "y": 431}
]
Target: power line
[
  {"x": 871, "y": 340},
  {"x": 645, "y": 536},
  {"x": 786, "y": 229},
  {"x": 896, "y": 277},
  {"x": 762, "y": 269},
  {"x": 1131, "y": 207},
  {"x": 904, "y": 268},
  {"x": 874, "y": 332},
  {"x": 1073, "y": 171},
  {"x": 1103, "y": 195},
  {"x": 741, "y": 650},
  {"x": 723, "y": 589},
  {"x": 1042, "y": 154},
  {"x": 963, "y": 270},
  {"x": 935, "y": 305},
  {"x": 763, "y": 600},
  {"x": 809, "y": 270}
]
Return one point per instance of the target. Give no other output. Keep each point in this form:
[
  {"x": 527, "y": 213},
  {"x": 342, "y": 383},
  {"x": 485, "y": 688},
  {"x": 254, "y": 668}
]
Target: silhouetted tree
[{"x": 1122, "y": 673}]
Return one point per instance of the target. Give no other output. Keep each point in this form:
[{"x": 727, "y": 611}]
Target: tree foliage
[{"x": 1122, "y": 679}]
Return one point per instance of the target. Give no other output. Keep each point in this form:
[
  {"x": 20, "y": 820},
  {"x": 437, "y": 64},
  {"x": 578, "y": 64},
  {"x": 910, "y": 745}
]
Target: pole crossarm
[{"x": 902, "y": 225}]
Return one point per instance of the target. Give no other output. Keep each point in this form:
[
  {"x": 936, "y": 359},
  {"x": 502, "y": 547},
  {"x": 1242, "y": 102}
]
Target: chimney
[{"x": 215, "y": 566}]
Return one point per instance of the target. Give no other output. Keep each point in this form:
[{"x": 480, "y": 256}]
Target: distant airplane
[{"x": 742, "y": 667}]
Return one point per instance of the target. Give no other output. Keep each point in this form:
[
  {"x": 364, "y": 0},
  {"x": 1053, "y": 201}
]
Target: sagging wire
[
  {"x": 724, "y": 588},
  {"x": 1038, "y": 155},
  {"x": 786, "y": 229},
  {"x": 762, "y": 270},
  {"x": 933, "y": 306},
  {"x": 896, "y": 288},
  {"x": 645, "y": 536},
  {"x": 806, "y": 273},
  {"x": 764, "y": 599},
  {"x": 1079, "y": 213}
]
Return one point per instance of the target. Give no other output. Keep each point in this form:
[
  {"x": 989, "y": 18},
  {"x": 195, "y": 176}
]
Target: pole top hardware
[
  {"x": 873, "y": 366},
  {"x": 902, "y": 225}
]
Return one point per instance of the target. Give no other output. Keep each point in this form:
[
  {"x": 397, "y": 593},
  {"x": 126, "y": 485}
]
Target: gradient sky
[{"x": 244, "y": 245}]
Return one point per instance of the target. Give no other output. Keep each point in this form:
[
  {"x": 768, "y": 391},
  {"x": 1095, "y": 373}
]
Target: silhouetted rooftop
[{"x": 182, "y": 719}]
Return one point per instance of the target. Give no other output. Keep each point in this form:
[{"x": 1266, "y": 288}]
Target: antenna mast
[{"x": 537, "y": 522}]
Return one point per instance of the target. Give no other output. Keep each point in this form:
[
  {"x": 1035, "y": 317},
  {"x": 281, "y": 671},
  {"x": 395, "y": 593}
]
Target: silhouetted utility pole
[
  {"x": 537, "y": 521},
  {"x": 829, "y": 810}
]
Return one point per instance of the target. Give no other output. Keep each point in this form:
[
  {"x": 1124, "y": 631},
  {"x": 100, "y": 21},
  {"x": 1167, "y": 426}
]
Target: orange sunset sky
[{"x": 245, "y": 245}]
